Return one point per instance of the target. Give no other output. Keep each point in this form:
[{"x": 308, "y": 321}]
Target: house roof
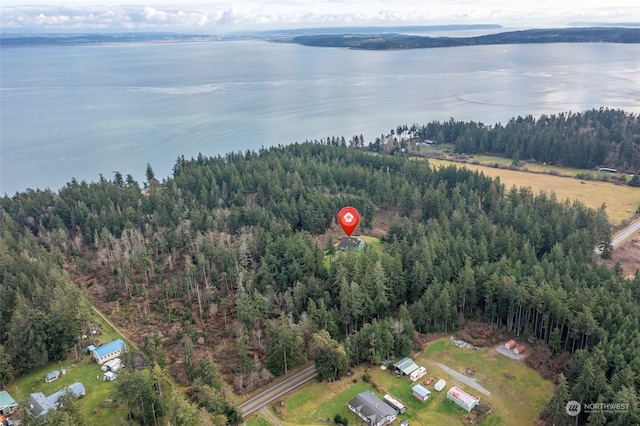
[
  {"x": 39, "y": 404},
  {"x": 109, "y": 348},
  {"x": 349, "y": 242},
  {"x": 421, "y": 390},
  {"x": 406, "y": 365},
  {"x": 77, "y": 389},
  {"x": 6, "y": 400},
  {"x": 371, "y": 407}
]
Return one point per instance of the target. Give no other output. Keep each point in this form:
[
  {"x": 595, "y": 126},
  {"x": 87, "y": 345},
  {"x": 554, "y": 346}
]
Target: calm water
[{"x": 83, "y": 111}]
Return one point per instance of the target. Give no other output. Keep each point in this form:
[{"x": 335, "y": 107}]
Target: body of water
[{"x": 83, "y": 111}]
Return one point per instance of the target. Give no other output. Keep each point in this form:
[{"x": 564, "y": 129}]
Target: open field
[
  {"x": 621, "y": 200},
  {"x": 518, "y": 394},
  {"x": 86, "y": 371}
]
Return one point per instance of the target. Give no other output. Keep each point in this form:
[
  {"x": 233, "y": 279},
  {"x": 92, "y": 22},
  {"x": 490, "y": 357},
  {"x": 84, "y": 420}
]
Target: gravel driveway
[{"x": 464, "y": 379}]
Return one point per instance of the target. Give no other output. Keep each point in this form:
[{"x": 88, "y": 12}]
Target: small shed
[
  {"x": 110, "y": 376},
  {"x": 421, "y": 371},
  {"x": 53, "y": 376},
  {"x": 440, "y": 385},
  {"x": 510, "y": 345},
  {"x": 462, "y": 399},
  {"x": 421, "y": 392},
  {"x": 518, "y": 349},
  {"x": 7, "y": 404}
]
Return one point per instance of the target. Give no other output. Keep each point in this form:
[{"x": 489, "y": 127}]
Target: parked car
[
  {"x": 428, "y": 381},
  {"x": 405, "y": 423}
]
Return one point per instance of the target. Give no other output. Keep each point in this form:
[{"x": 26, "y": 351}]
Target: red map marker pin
[{"x": 348, "y": 218}]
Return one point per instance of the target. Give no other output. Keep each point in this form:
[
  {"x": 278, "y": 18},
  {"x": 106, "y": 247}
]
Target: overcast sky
[{"x": 220, "y": 16}]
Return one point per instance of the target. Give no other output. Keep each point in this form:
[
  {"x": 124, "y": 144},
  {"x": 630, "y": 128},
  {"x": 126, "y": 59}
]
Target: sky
[{"x": 219, "y": 16}]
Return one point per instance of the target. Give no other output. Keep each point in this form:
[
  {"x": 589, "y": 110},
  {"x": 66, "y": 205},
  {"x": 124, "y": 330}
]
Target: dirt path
[
  {"x": 464, "y": 379},
  {"x": 270, "y": 417}
]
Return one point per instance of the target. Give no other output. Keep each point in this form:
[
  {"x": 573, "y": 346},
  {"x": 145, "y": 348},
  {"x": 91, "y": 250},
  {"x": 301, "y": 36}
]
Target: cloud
[{"x": 247, "y": 14}]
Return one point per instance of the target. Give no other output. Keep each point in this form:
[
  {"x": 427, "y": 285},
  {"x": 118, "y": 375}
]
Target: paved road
[
  {"x": 257, "y": 402},
  {"x": 625, "y": 233}
]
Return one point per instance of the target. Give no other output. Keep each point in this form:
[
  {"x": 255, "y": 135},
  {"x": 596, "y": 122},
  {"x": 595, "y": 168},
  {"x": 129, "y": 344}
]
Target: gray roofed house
[
  {"x": 372, "y": 409},
  {"x": 347, "y": 243},
  {"x": 76, "y": 389},
  {"x": 40, "y": 405}
]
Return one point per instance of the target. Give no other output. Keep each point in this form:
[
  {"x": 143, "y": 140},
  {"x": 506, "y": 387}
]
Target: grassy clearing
[
  {"x": 86, "y": 371},
  {"x": 372, "y": 242},
  {"x": 257, "y": 421},
  {"x": 621, "y": 200},
  {"x": 516, "y": 400}
]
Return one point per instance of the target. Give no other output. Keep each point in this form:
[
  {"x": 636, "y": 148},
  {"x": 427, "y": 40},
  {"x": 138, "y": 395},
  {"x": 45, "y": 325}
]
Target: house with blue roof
[{"x": 109, "y": 351}]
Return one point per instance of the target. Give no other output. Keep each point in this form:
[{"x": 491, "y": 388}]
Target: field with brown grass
[{"x": 621, "y": 201}]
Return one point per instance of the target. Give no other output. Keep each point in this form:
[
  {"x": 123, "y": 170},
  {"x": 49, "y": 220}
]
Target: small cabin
[
  {"x": 52, "y": 377},
  {"x": 421, "y": 392},
  {"x": 510, "y": 345}
]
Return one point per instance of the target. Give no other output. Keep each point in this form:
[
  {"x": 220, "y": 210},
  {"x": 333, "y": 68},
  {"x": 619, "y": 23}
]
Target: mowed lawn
[
  {"x": 621, "y": 200},
  {"x": 518, "y": 393},
  {"x": 86, "y": 371}
]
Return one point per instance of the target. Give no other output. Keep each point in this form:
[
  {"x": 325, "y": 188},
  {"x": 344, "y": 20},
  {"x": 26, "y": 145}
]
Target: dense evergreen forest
[
  {"x": 226, "y": 269},
  {"x": 585, "y": 140}
]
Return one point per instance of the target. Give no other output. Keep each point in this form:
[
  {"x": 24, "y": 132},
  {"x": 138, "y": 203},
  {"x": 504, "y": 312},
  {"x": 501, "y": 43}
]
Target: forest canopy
[{"x": 229, "y": 248}]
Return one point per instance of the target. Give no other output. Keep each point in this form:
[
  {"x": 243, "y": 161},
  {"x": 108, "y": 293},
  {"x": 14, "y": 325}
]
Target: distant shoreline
[{"x": 365, "y": 38}]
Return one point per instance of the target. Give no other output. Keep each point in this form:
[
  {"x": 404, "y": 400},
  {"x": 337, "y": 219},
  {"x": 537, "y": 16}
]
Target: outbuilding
[
  {"x": 8, "y": 405},
  {"x": 405, "y": 366},
  {"x": 53, "y": 376},
  {"x": 421, "y": 392},
  {"x": 462, "y": 399},
  {"x": 510, "y": 345},
  {"x": 518, "y": 349},
  {"x": 440, "y": 384},
  {"x": 109, "y": 351}
]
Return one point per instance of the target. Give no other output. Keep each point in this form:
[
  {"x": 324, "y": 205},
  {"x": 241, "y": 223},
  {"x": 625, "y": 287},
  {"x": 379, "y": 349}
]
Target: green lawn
[
  {"x": 85, "y": 371},
  {"x": 372, "y": 242},
  {"x": 518, "y": 400}
]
